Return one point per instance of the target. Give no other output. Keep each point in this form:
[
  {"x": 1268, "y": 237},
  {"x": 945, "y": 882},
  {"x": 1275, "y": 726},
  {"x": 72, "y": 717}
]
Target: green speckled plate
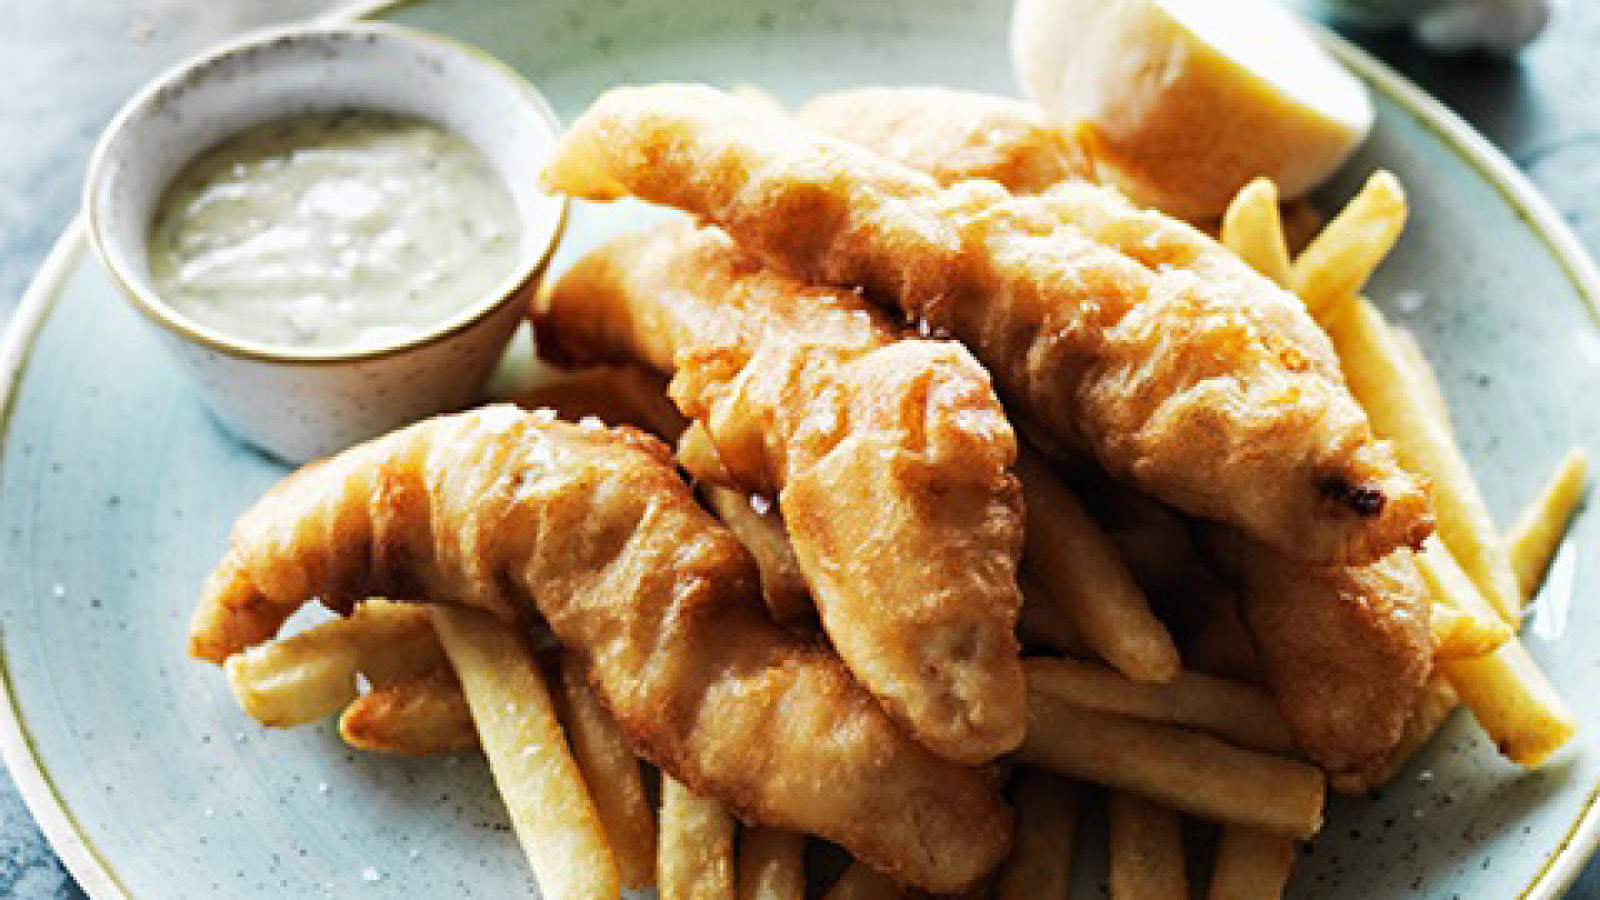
[{"x": 116, "y": 492}]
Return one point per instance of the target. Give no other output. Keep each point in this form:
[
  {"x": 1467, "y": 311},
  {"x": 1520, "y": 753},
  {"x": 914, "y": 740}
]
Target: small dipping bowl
[{"x": 301, "y": 404}]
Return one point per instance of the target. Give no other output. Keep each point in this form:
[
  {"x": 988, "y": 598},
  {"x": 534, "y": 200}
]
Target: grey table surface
[{"x": 68, "y": 64}]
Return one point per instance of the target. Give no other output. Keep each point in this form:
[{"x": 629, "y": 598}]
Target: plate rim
[{"x": 98, "y": 879}]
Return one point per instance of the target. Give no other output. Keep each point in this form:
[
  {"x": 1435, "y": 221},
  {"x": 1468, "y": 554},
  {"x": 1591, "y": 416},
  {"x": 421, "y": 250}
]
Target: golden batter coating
[
  {"x": 890, "y": 460},
  {"x": 521, "y": 515},
  {"x": 1208, "y": 386},
  {"x": 952, "y": 135},
  {"x": 1346, "y": 650}
]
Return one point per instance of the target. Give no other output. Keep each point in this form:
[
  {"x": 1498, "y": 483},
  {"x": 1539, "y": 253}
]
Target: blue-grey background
[{"x": 65, "y": 66}]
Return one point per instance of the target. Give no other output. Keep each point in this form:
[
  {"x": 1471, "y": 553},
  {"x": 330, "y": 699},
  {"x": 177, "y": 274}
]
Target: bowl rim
[{"x": 154, "y": 309}]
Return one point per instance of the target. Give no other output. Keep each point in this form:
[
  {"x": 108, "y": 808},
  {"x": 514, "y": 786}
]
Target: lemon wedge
[{"x": 1187, "y": 100}]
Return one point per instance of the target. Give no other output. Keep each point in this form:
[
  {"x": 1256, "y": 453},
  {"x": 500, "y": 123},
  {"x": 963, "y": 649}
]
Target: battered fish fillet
[
  {"x": 1207, "y": 385},
  {"x": 952, "y": 135},
  {"x": 1345, "y": 657},
  {"x": 1345, "y": 650},
  {"x": 521, "y": 515},
  {"x": 890, "y": 461}
]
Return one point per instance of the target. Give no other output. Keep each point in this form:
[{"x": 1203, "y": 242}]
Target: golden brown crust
[
  {"x": 890, "y": 460},
  {"x": 1376, "y": 640},
  {"x": 1200, "y": 382},
  {"x": 518, "y": 514},
  {"x": 1346, "y": 650},
  {"x": 952, "y": 135},
  {"x": 1437, "y": 702}
]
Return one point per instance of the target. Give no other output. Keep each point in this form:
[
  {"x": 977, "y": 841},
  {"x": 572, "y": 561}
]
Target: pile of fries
[{"x": 1170, "y": 723}]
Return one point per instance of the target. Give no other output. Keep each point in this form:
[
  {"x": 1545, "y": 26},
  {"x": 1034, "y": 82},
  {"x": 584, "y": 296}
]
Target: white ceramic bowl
[{"x": 303, "y": 404}]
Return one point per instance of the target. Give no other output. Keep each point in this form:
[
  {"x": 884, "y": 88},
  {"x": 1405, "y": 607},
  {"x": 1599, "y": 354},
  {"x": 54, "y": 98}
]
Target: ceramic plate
[{"x": 117, "y": 490}]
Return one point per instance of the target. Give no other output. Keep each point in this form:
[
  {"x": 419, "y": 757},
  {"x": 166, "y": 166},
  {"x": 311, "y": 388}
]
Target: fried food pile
[
  {"x": 519, "y": 515},
  {"x": 891, "y": 462},
  {"x": 949, "y": 399},
  {"x": 1112, "y": 330}
]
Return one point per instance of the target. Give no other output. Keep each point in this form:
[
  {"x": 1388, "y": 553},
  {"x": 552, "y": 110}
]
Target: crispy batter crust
[
  {"x": 1346, "y": 650},
  {"x": 890, "y": 460},
  {"x": 1109, "y": 328},
  {"x": 521, "y": 515},
  {"x": 952, "y": 135}
]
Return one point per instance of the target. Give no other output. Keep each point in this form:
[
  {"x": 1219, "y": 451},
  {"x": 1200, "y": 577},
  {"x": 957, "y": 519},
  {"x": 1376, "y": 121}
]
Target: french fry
[
  {"x": 1434, "y": 706},
  {"x": 395, "y": 641},
  {"x": 420, "y": 716},
  {"x": 308, "y": 676},
  {"x": 1340, "y": 260},
  {"x": 783, "y": 586},
  {"x": 1080, "y": 568},
  {"x": 1431, "y": 396},
  {"x": 1160, "y": 559},
  {"x": 860, "y": 882},
  {"x": 1380, "y": 378},
  {"x": 1538, "y": 531},
  {"x": 612, "y": 773},
  {"x": 695, "y": 858},
  {"x": 555, "y": 820},
  {"x": 1253, "y": 229},
  {"x": 1507, "y": 694},
  {"x": 1043, "y": 621},
  {"x": 1251, "y": 865},
  {"x": 1149, "y": 536},
  {"x": 771, "y": 864},
  {"x": 1462, "y": 635},
  {"x": 1239, "y": 713},
  {"x": 1220, "y": 644},
  {"x": 1146, "y": 851},
  {"x": 297, "y": 679},
  {"x": 1188, "y": 771},
  {"x": 1040, "y": 864}
]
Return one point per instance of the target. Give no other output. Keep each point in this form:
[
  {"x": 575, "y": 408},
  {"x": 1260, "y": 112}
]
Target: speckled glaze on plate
[{"x": 116, "y": 493}]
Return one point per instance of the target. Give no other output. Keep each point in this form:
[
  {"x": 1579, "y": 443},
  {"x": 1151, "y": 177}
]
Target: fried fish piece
[
  {"x": 1345, "y": 657},
  {"x": 890, "y": 460},
  {"x": 952, "y": 135},
  {"x": 1346, "y": 650},
  {"x": 521, "y": 515},
  {"x": 1109, "y": 328}
]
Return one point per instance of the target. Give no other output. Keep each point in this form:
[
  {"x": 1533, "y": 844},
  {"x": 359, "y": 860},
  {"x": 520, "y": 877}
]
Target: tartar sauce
[{"x": 333, "y": 231}]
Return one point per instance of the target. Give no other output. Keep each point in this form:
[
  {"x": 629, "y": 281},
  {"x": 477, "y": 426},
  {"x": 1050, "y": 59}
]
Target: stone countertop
[{"x": 70, "y": 63}]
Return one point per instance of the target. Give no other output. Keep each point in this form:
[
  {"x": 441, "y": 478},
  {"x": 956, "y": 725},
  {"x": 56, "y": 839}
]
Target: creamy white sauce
[{"x": 337, "y": 230}]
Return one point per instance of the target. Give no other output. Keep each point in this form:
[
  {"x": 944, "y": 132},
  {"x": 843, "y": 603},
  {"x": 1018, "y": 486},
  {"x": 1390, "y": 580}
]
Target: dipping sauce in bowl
[
  {"x": 335, "y": 228},
  {"x": 343, "y": 229}
]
